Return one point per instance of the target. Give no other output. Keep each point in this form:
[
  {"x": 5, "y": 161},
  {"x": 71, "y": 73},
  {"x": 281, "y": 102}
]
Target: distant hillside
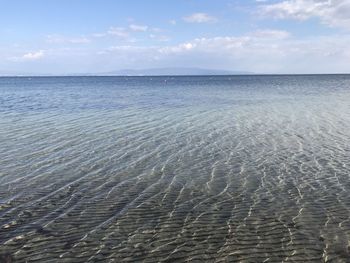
[
  {"x": 172, "y": 71},
  {"x": 139, "y": 72},
  {"x": 6, "y": 73}
]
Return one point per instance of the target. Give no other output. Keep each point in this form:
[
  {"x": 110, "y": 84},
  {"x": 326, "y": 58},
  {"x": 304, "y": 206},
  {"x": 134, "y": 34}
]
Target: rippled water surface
[{"x": 175, "y": 169}]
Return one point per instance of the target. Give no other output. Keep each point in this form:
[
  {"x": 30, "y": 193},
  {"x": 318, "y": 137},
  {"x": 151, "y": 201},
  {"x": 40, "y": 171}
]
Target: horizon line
[{"x": 170, "y": 75}]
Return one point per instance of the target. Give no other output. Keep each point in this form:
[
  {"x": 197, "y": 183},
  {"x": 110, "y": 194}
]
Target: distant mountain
[
  {"x": 139, "y": 72},
  {"x": 6, "y": 73},
  {"x": 172, "y": 72}
]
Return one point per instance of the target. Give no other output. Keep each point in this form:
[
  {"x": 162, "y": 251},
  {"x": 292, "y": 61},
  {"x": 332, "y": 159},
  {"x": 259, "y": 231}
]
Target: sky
[{"x": 96, "y": 36}]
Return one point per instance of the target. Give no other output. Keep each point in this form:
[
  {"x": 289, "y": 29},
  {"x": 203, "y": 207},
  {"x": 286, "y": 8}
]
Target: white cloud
[
  {"x": 127, "y": 48},
  {"x": 199, "y": 18},
  {"x": 138, "y": 28},
  {"x": 232, "y": 44},
  {"x": 184, "y": 47},
  {"x": 125, "y": 33},
  {"x": 271, "y": 34},
  {"x": 334, "y": 13},
  {"x": 30, "y": 56},
  {"x": 33, "y": 55},
  {"x": 161, "y": 38},
  {"x": 262, "y": 51},
  {"x": 120, "y": 32},
  {"x": 58, "y": 39}
]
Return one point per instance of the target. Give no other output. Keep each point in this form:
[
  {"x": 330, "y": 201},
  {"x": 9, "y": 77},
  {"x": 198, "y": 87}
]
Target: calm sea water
[{"x": 175, "y": 169}]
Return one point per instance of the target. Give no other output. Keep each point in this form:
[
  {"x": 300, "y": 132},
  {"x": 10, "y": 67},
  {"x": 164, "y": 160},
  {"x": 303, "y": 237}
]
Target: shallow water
[{"x": 175, "y": 169}]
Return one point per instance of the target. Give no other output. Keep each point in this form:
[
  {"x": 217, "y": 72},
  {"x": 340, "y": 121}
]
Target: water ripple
[{"x": 223, "y": 169}]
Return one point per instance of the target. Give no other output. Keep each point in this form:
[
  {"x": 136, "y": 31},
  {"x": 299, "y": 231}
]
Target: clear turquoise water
[{"x": 175, "y": 169}]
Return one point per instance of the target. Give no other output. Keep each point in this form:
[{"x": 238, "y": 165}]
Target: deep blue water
[{"x": 34, "y": 94}]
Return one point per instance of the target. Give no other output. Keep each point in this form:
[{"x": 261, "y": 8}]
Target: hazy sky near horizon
[{"x": 262, "y": 36}]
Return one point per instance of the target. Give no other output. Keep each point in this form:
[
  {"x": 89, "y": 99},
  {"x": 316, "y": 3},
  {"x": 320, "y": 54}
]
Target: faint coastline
[{"x": 139, "y": 72}]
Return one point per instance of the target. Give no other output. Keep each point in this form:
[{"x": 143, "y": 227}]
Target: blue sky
[{"x": 264, "y": 36}]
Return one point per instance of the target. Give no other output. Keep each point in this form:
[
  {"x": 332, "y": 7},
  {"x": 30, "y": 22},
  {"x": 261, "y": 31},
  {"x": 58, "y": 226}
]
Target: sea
[{"x": 175, "y": 169}]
